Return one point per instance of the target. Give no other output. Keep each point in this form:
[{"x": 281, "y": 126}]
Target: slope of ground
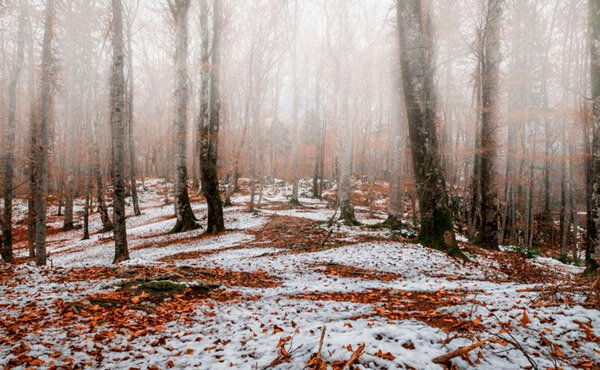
[{"x": 261, "y": 294}]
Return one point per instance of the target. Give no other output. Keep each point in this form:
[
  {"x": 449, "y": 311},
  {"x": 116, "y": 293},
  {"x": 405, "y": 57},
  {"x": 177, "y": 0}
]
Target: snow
[{"x": 242, "y": 331}]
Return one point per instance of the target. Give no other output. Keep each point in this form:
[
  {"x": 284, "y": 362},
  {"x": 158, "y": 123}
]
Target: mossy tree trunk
[
  {"x": 594, "y": 170},
  {"x": 490, "y": 101},
  {"x": 210, "y": 117},
  {"x": 183, "y": 210},
  {"x": 344, "y": 129},
  {"x": 417, "y": 68}
]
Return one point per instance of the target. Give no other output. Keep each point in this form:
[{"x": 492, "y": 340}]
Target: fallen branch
[
  {"x": 459, "y": 352},
  {"x": 355, "y": 356},
  {"x": 316, "y": 361}
]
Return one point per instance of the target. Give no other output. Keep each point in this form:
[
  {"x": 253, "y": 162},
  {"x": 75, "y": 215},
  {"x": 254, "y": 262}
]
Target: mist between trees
[{"x": 482, "y": 115}]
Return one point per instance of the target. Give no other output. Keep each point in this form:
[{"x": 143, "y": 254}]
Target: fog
[{"x": 310, "y": 86}]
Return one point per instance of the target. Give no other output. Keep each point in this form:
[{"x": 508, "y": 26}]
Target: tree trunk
[
  {"x": 130, "y": 122},
  {"x": 395, "y": 209},
  {"x": 490, "y": 99},
  {"x": 69, "y": 198},
  {"x": 46, "y": 112},
  {"x": 594, "y": 19},
  {"x": 295, "y": 97},
  {"x": 209, "y": 128},
  {"x": 9, "y": 158},
  {"x": 31, "y": 168},
  {"x": 117, "y": 122},
  {"x": 86, "y": 206},
  {"x": 183, "y": 210},
  {"x": 107, "y": 224},
  {"x": 344, "y": 130},
  {"x": 417, "y": 75}
]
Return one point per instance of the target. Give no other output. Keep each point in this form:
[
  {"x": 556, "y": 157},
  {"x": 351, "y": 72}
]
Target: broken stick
[{"x": 459, "y": 352}]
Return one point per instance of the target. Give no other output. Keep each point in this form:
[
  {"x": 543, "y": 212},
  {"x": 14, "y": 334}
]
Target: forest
[{"x": 300, "y": 184}]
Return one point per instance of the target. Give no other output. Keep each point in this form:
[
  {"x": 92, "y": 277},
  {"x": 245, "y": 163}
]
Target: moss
[
  {"x": 591, "y": 268},
  {"x": 438, "y": 236},
  {"x": 295, "y": 203},
  {"x": 187, "y": 223},
  {"x": 347, "y": 215},
  {"x": 161, "y": 288},
  {"x": 456, "y": 252},
  {"x": 441, "y": 235}
]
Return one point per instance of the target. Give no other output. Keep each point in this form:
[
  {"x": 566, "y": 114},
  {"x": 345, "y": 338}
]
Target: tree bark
[
  {"x": 31, "y": 168},
  {"x": 594, "y": 19},
  {"x": 46, "y": 112},
  {"x": 344, "y": 129},
  {"x": 183, "y": 210},
  {"x": 490, "y": 99},
  {"x": 417, "y": 67},
  {"x": 209, "y": 128},
  {"x": 117, "y": 122},
  {"x": 130, "y": 122},
  {"x": 9, "y": 157},
  {"x": 107, "y": 224},
  {"x": 295, "y": 97},
  {"x": 395, "y": 209}
]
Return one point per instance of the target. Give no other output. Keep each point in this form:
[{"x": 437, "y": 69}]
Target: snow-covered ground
[{"x": 408, "y": 304}]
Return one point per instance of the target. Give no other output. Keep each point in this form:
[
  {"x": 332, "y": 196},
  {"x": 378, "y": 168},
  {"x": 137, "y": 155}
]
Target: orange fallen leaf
[
  {"x": 36, "y": 362},
  {"x": 525, "y": 320},
  {"x": 135, "y": 300},
  {"x": 385, "y": 356}
]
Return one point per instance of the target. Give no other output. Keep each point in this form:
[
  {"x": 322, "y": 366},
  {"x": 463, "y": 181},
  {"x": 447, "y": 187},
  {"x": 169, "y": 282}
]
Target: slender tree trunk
[
  {"x": 9, "y": 158},
  {"x": 594, "y": 19},
  {"x": 33, "y": 133},
  {"x": 86, "y": 206},
  {"x": 417, "y": 75},
  {"x": 130, "y": 123},
  {"x": 107, "y": 224},
  {"x": 209, "y": 129},
  {"x": 395, "y": 209},
  {"x": 46, "y": 112},
  {"x": 319, "y": 140},
  {"x": 295, "y": 97},
  {"x": 117, "y": 121},
  {"x": 490, "y": 99},
  {"x": 183, "y": 210},
  {"x": 69, "y": 197},
  {"x": 344, "y": 130}
]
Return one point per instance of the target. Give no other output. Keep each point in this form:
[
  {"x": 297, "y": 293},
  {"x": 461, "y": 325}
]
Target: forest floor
[{"x": 262, "y": 294}]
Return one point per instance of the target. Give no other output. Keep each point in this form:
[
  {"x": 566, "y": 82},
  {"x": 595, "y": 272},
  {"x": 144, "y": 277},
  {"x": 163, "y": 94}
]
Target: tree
[
  {"x": 130, "y": 120},
  {"x": 395, "y": 209},
  {"x": 183, "y": 210},
  {"x": 489, "y": 123},
  {"x": 117, "y": 123},
  {"x": 416, "y": 62},
  {"x": 209, "y": 124},
  {"x": 594, "y": 19},
  {"x": 295, "y": 98},
  {"x": 9, "y": 157},
  {"x": 344, "y": 130},
  {"x": 46, "y": 111}
]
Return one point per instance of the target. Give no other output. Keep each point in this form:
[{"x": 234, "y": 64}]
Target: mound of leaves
[
  {"x": 295, "y": 234},
  {"x": 346, "y": 271}
]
